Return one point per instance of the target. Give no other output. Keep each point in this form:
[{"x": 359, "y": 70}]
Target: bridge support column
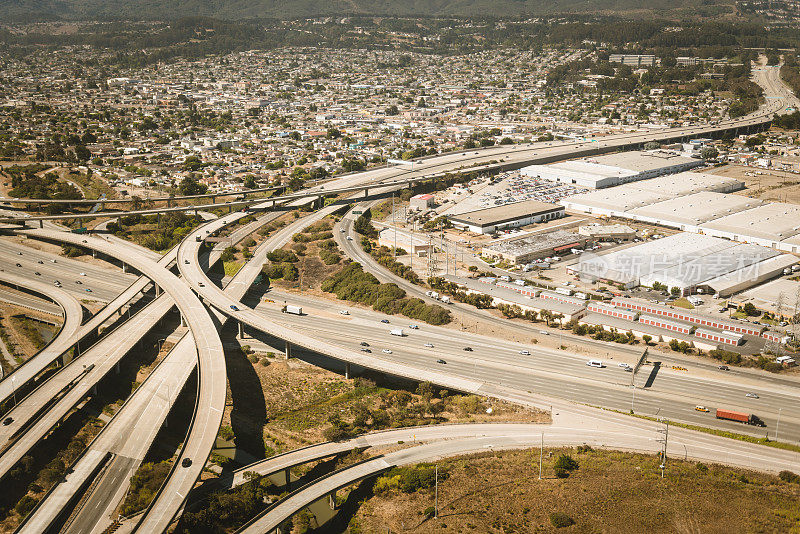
[
  {"x": 41, "y": 223},
  {"x": 347, "y": 370},
  {"x": 332, "y": 500},
  {"x": 288, "y": 350},
  {"x": 158, "y": 290},
  {"x": 116, "y": 368},
  {"x": 287, "y": 477},
  {"x": 94, "y": 389},
  {"x": 60, "y": 361},
  {"x": 183, "y": 321},
  {"x": 158, "y": 218},
  {"x": 213, "y": 199},
  {"x": 124, "y": 268},
  {"x": 242, "y": 334}
]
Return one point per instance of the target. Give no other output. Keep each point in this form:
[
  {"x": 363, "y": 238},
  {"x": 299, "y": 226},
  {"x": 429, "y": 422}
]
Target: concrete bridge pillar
[
  {"x": 347, "y": 370},
  {"x": 366, "y": 192},
  {"x": 116, "y": 368},
  {"x": 288, "y": 350},
  {"x": 41, "y": 223},
  {"x": 124, "y": 268},
  {"x": 183, "y": 321},
  {"x": 158, "y": 291},
  {"x": 287, "y": 479},
  {"x": 242, "y": 334},
  {"x": 332, "y": 500}
]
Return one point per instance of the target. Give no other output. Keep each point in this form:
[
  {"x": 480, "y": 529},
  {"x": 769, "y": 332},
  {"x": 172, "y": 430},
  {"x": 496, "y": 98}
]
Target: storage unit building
[{"x": 728, "y": 338}]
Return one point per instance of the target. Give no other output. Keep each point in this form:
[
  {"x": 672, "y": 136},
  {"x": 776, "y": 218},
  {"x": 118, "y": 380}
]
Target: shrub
[
  {"x": 561, "y": 520},
  {"x": 703, "y": 468},
  {"x": 564, "y": 465},
  {"x": 281, "y": 256},
  {"x": 788, "y": 476},
  {"x": 25, "y": 505}
]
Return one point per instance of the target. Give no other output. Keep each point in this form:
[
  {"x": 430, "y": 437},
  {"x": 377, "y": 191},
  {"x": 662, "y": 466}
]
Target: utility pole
[
  {"x": 665, "y": 431},
  {"x": 436, "y": 497}
]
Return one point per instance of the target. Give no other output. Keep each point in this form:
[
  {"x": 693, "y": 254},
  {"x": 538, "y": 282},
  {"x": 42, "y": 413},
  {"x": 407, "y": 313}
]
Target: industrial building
[
  {"x": 422, "y": 202},
  {"x": 489, "y": 220},
  {"x": 613, "y": 169},
  {"x": 686, "y": 261},
  {"x": 621, "y": 201},
  {"x": 767, "y": 225},
  {"x": 607, "y": 232},
  {"x": 688, "y": 213},
  {"x": 533, "y": 246},
  {"x": 780, "y": 297},
  {"x": 700, "y": 203}
]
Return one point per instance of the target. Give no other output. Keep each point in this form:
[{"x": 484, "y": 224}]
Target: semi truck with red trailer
[{"x": 741, "y": 417}]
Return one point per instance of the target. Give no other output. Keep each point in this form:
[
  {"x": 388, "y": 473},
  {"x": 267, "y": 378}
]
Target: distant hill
[{"x": 285, "y": 9}]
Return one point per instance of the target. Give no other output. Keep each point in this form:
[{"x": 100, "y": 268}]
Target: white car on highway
[
  {"x": 344, "y": 312},
  {"x": 428, "y": 345},
  {"x": 386, "y": 351}
]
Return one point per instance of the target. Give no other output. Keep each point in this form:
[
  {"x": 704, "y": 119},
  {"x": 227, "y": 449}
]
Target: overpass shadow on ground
[
  {"x": 249, "y": 411},
  {"x": 652, "y": 377}
]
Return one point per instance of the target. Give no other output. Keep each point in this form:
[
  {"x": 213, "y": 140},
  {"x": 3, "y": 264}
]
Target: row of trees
[{"x": 355, "y": 285}]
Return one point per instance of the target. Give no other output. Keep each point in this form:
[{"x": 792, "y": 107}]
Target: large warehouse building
[
  {"x": 489, "y": 220},
  {"x": 698, "y": 203},
  {"x": 620, "y": 200},
  {"x": 613, "y": 169},
  {"x": 686, "y": 261}
]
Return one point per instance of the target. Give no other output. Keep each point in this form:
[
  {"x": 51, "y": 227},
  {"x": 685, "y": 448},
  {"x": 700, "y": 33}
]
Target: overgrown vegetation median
[{"x": 355, "y": 285}]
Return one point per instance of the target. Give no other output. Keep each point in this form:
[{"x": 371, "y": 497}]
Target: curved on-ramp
[
  {"x": 71, "y": 309},
  {"x": 706, "y": 448},
  {"x": 212, "y": 383}
]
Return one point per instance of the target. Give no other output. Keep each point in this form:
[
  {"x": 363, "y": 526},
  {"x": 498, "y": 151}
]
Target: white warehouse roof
[
  {"x": 693, "y": 209},
  {"x": 684, "y": 260},
  {"x": 769, "y": 222}
]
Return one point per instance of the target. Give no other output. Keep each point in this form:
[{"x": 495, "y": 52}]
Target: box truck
[{"x": 289, "y": 308}]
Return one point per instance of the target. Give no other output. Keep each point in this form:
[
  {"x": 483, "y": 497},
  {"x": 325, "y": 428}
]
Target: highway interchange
[{"x": 494, "y": 367}]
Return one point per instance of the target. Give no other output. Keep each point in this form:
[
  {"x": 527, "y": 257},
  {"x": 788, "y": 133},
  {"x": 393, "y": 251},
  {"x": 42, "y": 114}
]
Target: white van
[{"x": 595, "y": 363}]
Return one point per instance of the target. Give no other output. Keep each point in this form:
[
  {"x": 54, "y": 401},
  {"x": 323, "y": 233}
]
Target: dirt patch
[
  {"x": 303, "y": 404},
  {"x": 609, "y": 492},
  {"x": 766, "y": 184}
]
